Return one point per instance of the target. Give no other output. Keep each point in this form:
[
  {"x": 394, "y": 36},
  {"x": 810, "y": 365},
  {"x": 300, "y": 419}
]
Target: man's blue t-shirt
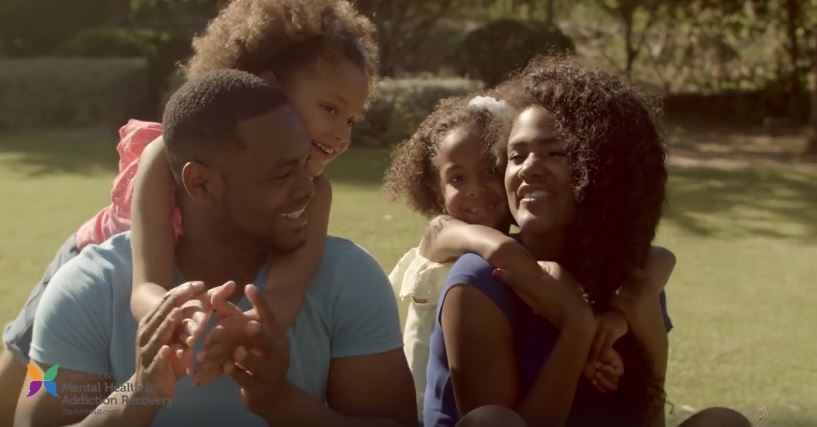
[
  {"x": 534, "y": 338},
  {"x": 84, "y": 323}
]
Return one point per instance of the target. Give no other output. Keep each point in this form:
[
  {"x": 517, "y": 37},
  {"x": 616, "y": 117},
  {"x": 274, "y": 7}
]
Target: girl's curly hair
[
  {"x": 617, "y": 160},
  {"x": 412, "y": 174},
  {"x": 278, "y": 35}
]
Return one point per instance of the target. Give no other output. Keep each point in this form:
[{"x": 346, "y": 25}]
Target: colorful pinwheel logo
[{"x": 38, "y": 380}]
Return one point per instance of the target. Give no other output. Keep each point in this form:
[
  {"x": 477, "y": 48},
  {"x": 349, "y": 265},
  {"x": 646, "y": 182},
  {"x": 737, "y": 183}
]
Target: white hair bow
[{"x": 489, "y": 104}]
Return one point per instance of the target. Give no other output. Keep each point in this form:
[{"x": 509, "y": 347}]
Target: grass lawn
[{"x": 742, "y": 297}]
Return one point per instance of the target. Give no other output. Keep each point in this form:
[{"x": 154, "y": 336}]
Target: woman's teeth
[{"x": 537, "y": 195}]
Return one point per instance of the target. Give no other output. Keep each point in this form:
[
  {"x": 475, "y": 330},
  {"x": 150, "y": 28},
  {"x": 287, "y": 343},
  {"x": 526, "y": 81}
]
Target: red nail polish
[{"x": 497, "y": 273}]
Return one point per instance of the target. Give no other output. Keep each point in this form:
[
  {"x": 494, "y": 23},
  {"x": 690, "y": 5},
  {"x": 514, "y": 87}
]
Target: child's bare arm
[
  {"x": 152, "y": 234},
  {"x": 638, "y": 301},
  {"x": 446, "y": 238},
  {"x": 296, "y": 269},
  {"x": 633, "y": 309},
  {"x": 658, "y": 269}
]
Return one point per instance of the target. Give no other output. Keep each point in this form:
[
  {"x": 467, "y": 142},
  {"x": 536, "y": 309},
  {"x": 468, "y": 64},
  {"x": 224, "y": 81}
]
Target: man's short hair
[{"x": 204, "y": 113}]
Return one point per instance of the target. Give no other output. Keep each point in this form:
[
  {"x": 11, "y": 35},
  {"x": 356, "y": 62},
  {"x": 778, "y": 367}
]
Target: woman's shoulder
[
  {"x": 475, "y": 271},
  {"x": 472, "y": 267}
]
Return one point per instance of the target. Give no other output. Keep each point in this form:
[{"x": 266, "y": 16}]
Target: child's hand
[
  {"x": 196, "y": 313},
  {"x": 556, "y": 295},
  {"x": 605, "y": 373},
  {"x": 505, "y": 252},
  {"x": 219, "y": 346},
  {"x": 224, "y": 338},
  {"x": 610, "y": 326}
]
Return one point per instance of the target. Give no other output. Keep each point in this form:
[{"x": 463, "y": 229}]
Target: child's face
[
  {"x": 328, "y": 96},
  {"x": 472, "y": 188},
  {"x": 537, "y": 178}
]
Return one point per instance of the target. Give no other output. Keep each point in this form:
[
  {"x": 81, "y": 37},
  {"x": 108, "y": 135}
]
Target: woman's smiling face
[{"x": 537, "y": 177}]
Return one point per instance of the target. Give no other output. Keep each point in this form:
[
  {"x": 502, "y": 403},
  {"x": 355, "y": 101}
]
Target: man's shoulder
[
  {"x": 76, "y": 315},
  {"x": 106, "y": 263},
  {"x": 348, "y": 265},
  {"x": 112, "y": 254},
  {"x": 340, "y": 250}
]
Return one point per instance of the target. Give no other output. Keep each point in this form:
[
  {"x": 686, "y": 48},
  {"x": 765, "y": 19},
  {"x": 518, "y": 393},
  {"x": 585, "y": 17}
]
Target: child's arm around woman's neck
[{"x": 447, "y": 238}]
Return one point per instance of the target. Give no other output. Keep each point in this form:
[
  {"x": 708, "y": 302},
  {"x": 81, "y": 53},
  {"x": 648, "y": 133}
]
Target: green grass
[{"x": 741, "y": 298}]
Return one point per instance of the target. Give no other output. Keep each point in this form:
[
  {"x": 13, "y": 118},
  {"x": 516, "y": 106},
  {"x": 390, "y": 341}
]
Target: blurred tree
[
  {"x": 629, "y": 13},
  {"x": 550, "y": 18},
  {"x": 498, "y": 48},
  {"x": 792, "y": 21},
  {"x": 120, "y": 12},
  {"x": 182, "y": 17},
  {"x": 35, "y": 27},
  {"x": 791, "y": 16},
  {"x": 812, "y": 146},
  {"x": 402, "y": 26},
  {"x": 537, "y": 10}
]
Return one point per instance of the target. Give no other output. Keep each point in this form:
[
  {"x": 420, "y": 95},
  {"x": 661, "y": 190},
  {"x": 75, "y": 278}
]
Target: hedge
[
  {"x": 401, "y": 104},
  {"x": 44, "y": 92},
  {"x": 163, "y": 50},
  {"x": 741, "y": 108},
  {"x": 492, "y": 52},
  {"x": 398, "y": 107}
]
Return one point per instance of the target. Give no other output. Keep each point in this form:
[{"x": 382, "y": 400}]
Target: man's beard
[
  {"x": 268, "y": 242},
  {"x": 275, "y": 246}
]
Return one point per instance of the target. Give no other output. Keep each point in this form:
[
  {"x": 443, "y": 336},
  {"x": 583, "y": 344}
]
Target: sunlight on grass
[{"x": 742, "y": 297}]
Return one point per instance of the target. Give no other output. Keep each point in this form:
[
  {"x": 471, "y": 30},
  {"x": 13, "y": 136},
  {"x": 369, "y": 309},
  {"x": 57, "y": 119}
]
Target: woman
[{"x": 585, "y": 183}]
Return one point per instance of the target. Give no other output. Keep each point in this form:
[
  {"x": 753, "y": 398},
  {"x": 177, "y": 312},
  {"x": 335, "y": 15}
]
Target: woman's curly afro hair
[
  {"x": 617, "y": 159},
  {"x": 413, "y": 175},
  {"x": 277, "y": 35}
]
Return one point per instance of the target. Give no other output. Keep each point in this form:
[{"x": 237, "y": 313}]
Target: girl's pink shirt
[{"x": 116, "y": 217}]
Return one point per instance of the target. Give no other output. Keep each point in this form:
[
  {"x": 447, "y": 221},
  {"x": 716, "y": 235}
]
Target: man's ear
[{"x": 202, "y": 184}]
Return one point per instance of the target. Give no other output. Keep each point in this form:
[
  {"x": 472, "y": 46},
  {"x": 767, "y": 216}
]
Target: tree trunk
[
  {"x": 120, "y": 12},
  {"x": 812, "y": 147},
  {"x": 792, "y": 16},
  {"x": 551, "y": 19},
  {"x": 627, "y": 19}
]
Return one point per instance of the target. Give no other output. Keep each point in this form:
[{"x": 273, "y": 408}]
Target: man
[{"x": 239, "y": 156}]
